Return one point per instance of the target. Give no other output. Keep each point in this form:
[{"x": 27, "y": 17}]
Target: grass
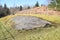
[{"x": 7, "y": 32}]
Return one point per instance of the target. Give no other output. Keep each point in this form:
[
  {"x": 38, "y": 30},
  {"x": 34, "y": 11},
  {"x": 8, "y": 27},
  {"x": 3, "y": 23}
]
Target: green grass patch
[{"x": 7, "y": 32}]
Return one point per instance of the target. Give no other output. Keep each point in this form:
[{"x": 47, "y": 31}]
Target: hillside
[
  {"x": 29, "y": 19},
  {"x": 39, "y": 10}
]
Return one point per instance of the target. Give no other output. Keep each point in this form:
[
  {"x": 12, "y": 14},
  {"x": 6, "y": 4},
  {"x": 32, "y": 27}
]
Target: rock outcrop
[{"x": 29, "y": 22}]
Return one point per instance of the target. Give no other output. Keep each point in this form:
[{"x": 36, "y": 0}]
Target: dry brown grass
[{"x": 39, "y": 10}]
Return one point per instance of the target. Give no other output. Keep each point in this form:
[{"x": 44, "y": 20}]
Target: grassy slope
[{"x": 7, "y": 32}]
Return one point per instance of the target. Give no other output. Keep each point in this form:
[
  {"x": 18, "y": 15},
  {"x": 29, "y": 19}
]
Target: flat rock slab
[{"x": 28, "y": 22}]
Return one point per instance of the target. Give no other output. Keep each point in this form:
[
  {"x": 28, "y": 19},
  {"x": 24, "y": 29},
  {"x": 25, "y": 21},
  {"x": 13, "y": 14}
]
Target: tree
[
  {"x": 42, "y": 5},
  {"x": 20, "y": 8},
  {"x": 2, "y": 14},
  {"x": 28, "y": 7},
  {"x": 37, "y": 4},
  {"x": 52, "y": 4},
  {"x": 0, "y": 6},
  {"x": 8, "y": 11},
  {"x": 4, "y": 11},
  {"x": 5, "y": 6},
  {"x": 55, "y": 4}
]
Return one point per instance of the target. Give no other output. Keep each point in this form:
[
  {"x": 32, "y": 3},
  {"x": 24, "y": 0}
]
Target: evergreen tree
[
  {"x": 0, "y": 6},
  {"x": 8, "y": 11},
  {"x": 4, "y": 11},
  {"x": 28, "y": 7},
  {"x": 2, "y": 14},
  {"x": 20, "y": 8},
  {"x": 37, "y": 4},
  {"x": 5, "y": 6},
  {"x": 55, "y": 4}
]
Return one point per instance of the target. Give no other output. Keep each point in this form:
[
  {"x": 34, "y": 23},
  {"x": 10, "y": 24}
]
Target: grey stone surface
[{"x": 28, "y": 22}]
